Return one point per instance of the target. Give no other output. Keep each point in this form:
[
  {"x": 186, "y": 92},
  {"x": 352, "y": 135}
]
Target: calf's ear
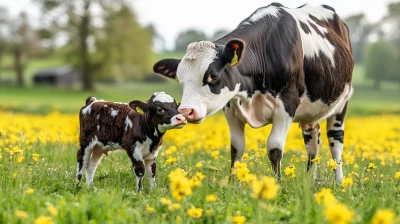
[
  {"x": 139, "y": 106},
  {"x": 233, "y": 51},
  {"x": 166, "y": 68}
]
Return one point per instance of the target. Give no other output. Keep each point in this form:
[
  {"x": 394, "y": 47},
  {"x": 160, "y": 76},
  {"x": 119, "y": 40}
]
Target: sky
[{"x": 173, "y": 16}]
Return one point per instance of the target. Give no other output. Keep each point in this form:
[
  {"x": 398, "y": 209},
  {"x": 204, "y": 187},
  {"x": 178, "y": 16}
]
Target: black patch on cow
[
  {"x": 233, "y": 155},
  {"x": 337, "y": 124},
  {"x": 275, "y": 156},
  {"x": 309, "y": 162},
  {"x": 153, "y": 168},
  {"x": 307, "y": 138},
  {"x": 336, "y": 135},
  {"x": 332, "y": 144},
  {"x": 304, "y": 27},
  {"x": 328, "y": 7}
]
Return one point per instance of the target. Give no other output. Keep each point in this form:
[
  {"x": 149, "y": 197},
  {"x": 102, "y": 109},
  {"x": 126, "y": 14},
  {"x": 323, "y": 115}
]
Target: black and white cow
[
  {"x": 137, "y": 127},
  {"x": 279, "y": 66}
]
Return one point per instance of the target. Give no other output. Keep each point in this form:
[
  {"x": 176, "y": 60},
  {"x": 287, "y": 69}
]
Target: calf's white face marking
[
  {"x": 190, "y": 74},
  {"x": 173, "y": 124},
  {"x": 163, "y": 97}
]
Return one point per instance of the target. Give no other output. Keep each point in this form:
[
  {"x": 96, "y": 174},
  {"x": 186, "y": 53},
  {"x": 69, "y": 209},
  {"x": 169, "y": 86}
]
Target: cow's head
[
  {"x": 208, "y": 77},
  {"x": 162, "y": 110}
]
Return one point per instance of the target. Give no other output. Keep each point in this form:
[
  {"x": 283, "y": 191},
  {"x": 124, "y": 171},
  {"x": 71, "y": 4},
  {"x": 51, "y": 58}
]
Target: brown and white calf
[{"x": 137, "y": 127}]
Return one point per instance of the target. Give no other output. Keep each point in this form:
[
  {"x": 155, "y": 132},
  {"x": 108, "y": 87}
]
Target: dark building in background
[{"x": 61, "y": 76}]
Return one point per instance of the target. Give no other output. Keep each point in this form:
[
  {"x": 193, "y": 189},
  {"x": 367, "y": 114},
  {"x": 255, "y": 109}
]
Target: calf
[{"x": 137, "y": 127}]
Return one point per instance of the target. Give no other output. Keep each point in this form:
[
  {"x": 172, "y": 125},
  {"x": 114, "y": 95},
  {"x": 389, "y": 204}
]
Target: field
[{"x": 37, "y": 178}]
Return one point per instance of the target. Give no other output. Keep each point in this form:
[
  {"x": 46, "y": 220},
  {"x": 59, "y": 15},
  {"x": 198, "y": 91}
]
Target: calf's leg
[
  {"x": 311, "y": 138},
  {"x": 151, "y": 172},
  {"x": 93, "y": 162},
  {"x": 79, "y": 166}
]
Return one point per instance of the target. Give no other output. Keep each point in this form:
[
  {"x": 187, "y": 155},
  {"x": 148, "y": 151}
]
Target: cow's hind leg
[
  {"x": 79, "y": 165},
  {"x": 311, "y": 136},
  {"x": 93, "y": 162},
  {"x": 335, "y": 132}
]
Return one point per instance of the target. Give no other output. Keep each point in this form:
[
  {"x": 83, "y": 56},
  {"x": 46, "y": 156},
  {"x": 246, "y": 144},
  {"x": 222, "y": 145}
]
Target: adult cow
[{"x": 279, "y": 66}]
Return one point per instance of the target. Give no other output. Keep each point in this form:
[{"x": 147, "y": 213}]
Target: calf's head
[
  {"x": 162, "y": 110},
  {"x": 208, "y": 77}
]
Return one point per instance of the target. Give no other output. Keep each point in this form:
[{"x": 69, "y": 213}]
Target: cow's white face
[{"x": 205, "y": 78}]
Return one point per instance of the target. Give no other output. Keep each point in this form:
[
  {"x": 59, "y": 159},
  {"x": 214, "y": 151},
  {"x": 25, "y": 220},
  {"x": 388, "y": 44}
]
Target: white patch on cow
[
  {"x": 77, "y": 169},
  {"x": 155, "y": 132},
  {"x": 265, "y": 11},
  {"x": 311, "y": 112},
  {"x": 94, "y": 161},
  {"x": 138, "y": 181},
  {"x": 121, "y": 103},
  {"x": 150, "y": 174},
  {"x": 98, "y": 116},
  {"x": 114, "y": 112},
  {"x": 98, "y": 127},
  {"x": 128, "y": 123},
  {"x": 142, "y": 150},
  {"x": 336, "y": 147},
  {"x": 312, "y": 42},
  {"x": 88, "y": 108},
  {"x": 281, "y": 122},
  {"x": 111, "y": 146},
  {"x": 174, "y": 123},
  {"x": 163, "y": 97},
  {"x": 105, "y": 105}
]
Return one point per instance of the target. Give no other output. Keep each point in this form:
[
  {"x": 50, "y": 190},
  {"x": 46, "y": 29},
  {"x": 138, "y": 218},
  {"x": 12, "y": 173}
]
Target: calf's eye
[{"x": 160, "y": 110}]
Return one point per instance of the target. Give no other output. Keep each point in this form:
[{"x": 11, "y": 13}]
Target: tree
[
  {"x": 186, "y": 37},
  {"x": 360, "y": 30},
  {"x": 124, "y": 52},
  {"x": 380, "y": 62},
  {"x": 393, "y": 19}
]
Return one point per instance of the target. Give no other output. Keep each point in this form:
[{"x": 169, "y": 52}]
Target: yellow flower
[
  {"x": 171, "y": 160},
  {"x": 196, "y": 180},
  {"x": 347, "y": 181},
  {"x": 355, "y": 166},
  {"x": 53, "y": 210},
  {"x": 213, "y": 168},
  {"x": 195, "y": 212},
  {"x": 149, "y": 209},
  {"x": 241, "y": 171},
  {"x": 397, "y": 175},
  {"x": 245, "y": 156},
  {"x": 371, "y": 167},
  {"x": 215, "y": 154},
  {"x": 316, "y": 160},
  {"x": 21, "y": 214},
  {"x": 209, "y": 212},
  {"x": 35, "y": 157},
  {"x": 211, "y": 198},
  {"x": 332, "y": 164},
  {"x": 180, "y": 185},
  {"x": 383, "y": 216},
  {"x": 325, "y": 196},
  {"x": 14, "y": 175},
  {"x": 165, "y": 201},
  {"x": 20, "y": 158},
  {"x": 366, "y": 178},
  {"x": 174, "y": 206},
  {"x": 29, "y": 191},
  {"x": 239, "y": 219},
  {"x": 337, "y": 213},
  {"x": 266, "y": 188},
  {"x": 43, "y": 220},
  {"x": 199, "y": 164},
  {"x": 290, "y": 171}
]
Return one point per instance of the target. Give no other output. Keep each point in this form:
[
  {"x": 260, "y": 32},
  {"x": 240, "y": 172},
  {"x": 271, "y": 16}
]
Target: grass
[{"x": 114, "y": 200}]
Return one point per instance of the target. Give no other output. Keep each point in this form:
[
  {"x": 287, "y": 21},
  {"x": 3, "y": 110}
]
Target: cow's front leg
[
  {"x": 281, "y": 122},
  {"x": 236, "y": 129},
  {"x": 151, "y": 172}
]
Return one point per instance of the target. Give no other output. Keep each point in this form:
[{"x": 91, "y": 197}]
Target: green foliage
[
  {"x": 123, "y": 47},
  {"x": 187, "y": 37},
  {"x": 380, "y": 62}
]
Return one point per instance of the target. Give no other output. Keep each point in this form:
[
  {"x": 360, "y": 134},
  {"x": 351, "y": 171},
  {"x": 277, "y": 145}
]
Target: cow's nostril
[{"x": 178, "y": 119}]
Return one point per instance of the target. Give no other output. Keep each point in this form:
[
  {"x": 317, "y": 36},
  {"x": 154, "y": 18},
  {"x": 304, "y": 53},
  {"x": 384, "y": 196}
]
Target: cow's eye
[
  {"x": 212, "y": 77},
  {"x": 160, "y": 110}
]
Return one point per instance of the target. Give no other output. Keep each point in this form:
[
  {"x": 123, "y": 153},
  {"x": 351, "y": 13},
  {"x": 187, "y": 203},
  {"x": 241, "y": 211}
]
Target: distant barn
[{"x": 61, "y": 76}]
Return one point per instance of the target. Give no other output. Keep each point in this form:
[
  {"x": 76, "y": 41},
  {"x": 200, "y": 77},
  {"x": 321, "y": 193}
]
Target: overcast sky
[{"x": 172, "y": 16}]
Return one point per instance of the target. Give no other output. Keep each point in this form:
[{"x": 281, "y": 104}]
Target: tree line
[{"x": 103, "y": 39}]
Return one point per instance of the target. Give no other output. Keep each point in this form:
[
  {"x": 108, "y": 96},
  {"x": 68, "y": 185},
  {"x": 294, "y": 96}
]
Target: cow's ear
[
  {"x": 233, "y": 51},
  {"x": 139, "y": 106},
  {"x": 167, "y": 68}
]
